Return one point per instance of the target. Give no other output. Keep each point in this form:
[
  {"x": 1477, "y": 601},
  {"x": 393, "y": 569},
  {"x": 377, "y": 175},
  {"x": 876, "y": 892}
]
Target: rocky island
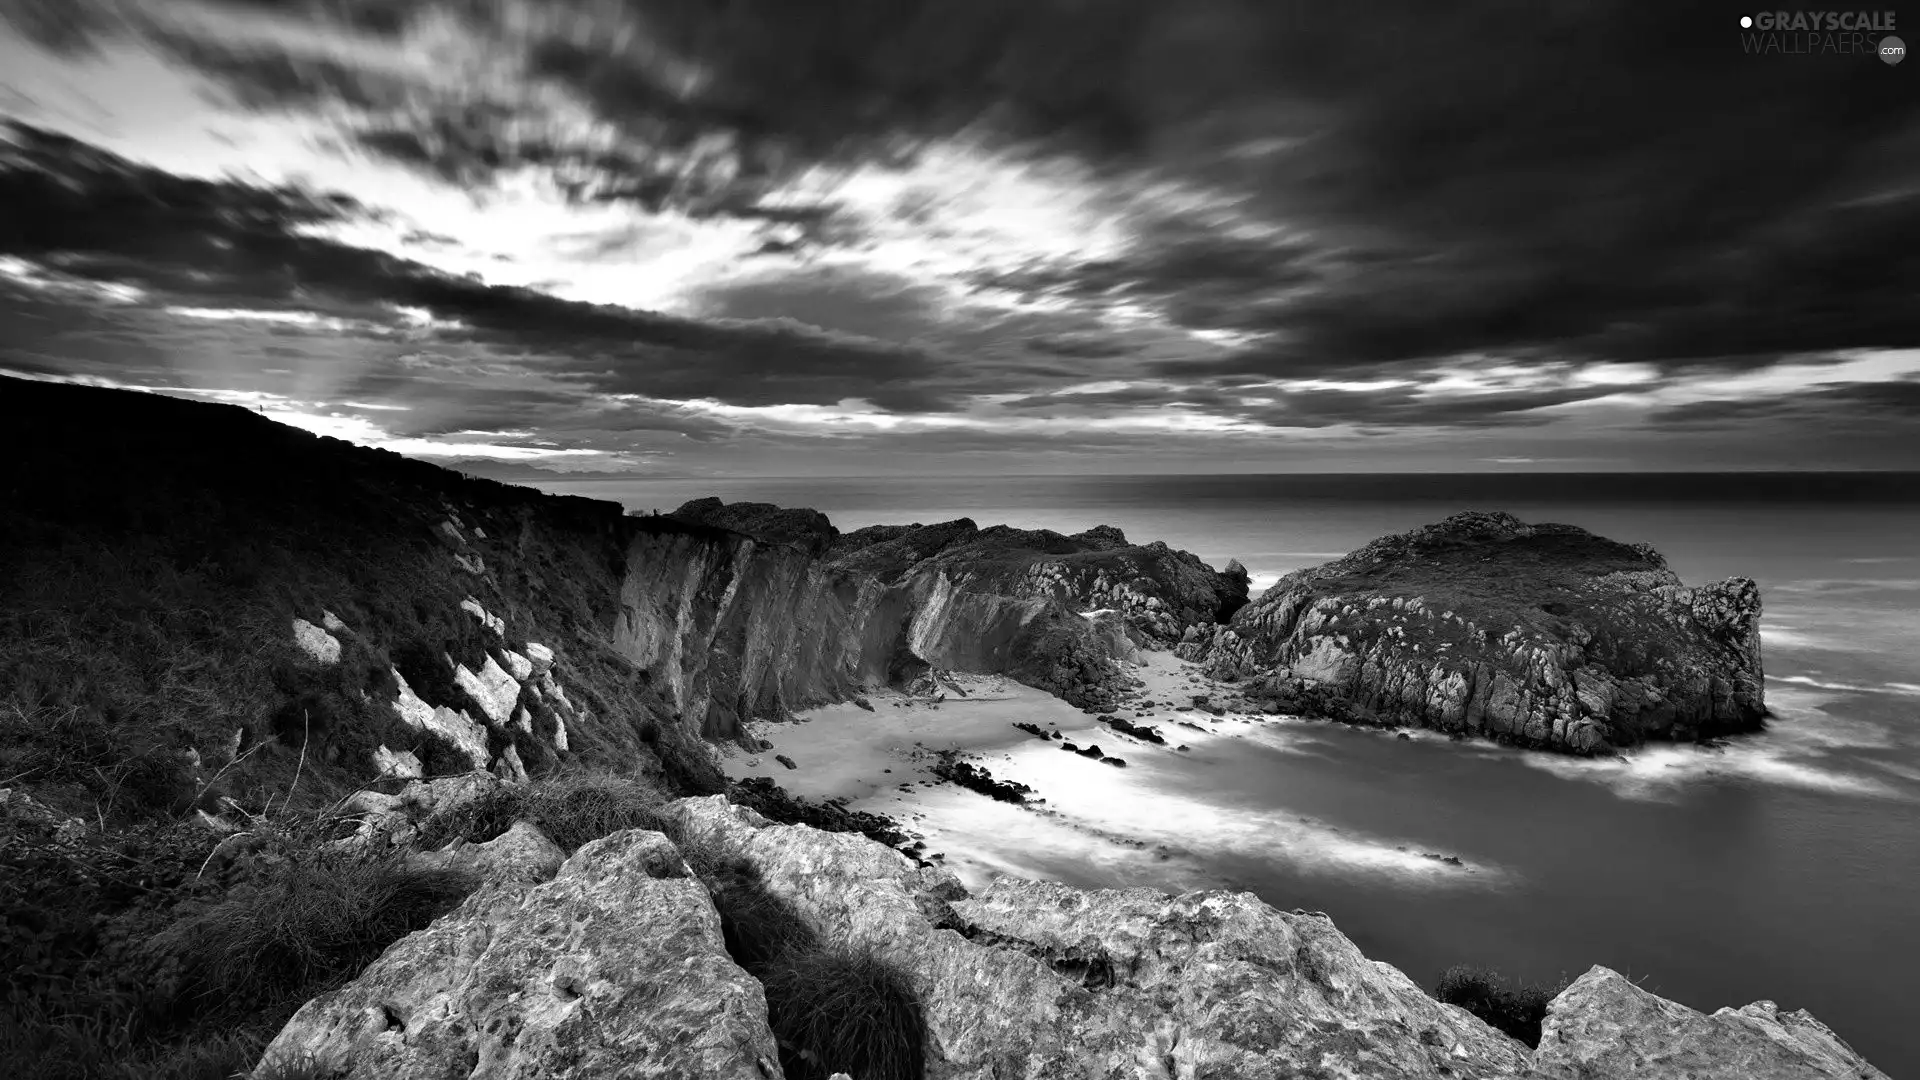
[
  {"x": 322, "y": 762},
  {"x": 1545, "y": 636}
]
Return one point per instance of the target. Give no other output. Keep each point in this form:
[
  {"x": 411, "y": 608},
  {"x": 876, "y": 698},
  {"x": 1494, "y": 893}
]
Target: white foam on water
[
  {"x": 1144, "y": 803},
  {"x": 1800, "y": 724},
  {"x": 1789, "y": 637},
  {"x": 1902, "y": 689},
  {"x": 1659, "y": 773}
]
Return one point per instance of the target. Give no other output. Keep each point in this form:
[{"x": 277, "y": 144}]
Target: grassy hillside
[
  {"x": 154, "y": 556},
  {"x": 158, "y": 551}
]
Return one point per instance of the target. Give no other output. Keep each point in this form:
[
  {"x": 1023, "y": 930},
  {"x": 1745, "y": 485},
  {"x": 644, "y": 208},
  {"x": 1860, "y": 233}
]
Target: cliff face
[
  {"x": 231, "y": 582},
  {"x": 1541, "y": 635},
  {"x": 749, "y": 610}
]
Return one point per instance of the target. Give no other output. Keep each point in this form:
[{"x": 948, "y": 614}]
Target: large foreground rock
[
  {"x": 1605, "y": 1028},
  {"x": 615, "y": 968},
  {"x": 1038, "y": 981},
  {"x": 1544, "y": 636}
]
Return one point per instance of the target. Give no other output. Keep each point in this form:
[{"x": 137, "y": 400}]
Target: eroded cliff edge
[
  {"x": 1545, "y": 636},
  {"x": 749, "y": 610}
]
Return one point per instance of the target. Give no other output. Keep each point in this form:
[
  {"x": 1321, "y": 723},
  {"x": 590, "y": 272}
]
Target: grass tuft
[
  {"x": 832, "y": 1008},
  {"x": 573, "y": 810},
  {"x": 310, "y": 926},
  {"x": 1516, "y": 1010},
  {"x": 845, "y": 1011}
]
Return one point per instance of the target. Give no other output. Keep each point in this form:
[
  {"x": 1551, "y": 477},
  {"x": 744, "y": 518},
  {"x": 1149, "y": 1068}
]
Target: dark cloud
[
  {"x": 1838, "y": 406},
  {"x": 1382, "y": 407},
  {"x": 97, "y": 216}
]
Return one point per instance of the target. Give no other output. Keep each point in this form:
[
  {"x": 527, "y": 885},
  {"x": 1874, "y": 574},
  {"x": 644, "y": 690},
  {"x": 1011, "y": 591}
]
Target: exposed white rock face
[
  {"x": 523, "y": 855},
  {"x": 540, "y": 656},
  {"x": 518, "y": 666},
  {"x": 404, "y": 764},
  {"x": 316, "y": 644},
  {"x": 1046, "y": 981},
  {"x": 1605, "y": 1028},
  {"x": 472, "y": 564},
  {"x": 491, "y": 688},
  {"x": 332, "y": 622},
  {"x": 508, "y": 766},
  {"x": 452, "y": 532},
  {"x": 455, "y": 727},
  {"x": 615, "y": 968},
  {"x": 560, "y": 734},
  {"x": 491, "y": 622}
]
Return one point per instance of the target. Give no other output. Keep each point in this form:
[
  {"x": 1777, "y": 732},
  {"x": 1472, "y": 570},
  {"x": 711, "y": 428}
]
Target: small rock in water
[
  {"x": 766, "y": 744},
  {"x": 785, "y": 760},
  {"x": 863, "y": 703}
]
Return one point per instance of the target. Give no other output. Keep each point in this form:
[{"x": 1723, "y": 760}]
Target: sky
[{"x": 877, "y": 237}]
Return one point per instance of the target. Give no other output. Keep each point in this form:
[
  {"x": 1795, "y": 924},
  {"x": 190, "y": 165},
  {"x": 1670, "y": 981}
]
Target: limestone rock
[
  {"x": 455, "y": 727},
  {"x": 541, "y": 657},
  {"x": 490, "y": 621},
  {"x": 332, "y": 622},
  {"x": 522, "y": 855},
  {"x": 404, "y": 764},
  {"x": 517, "y": 666},
  {"x": 1605, "y": 1028},
  {"x": 508, "y": 766},
  {"x": 491, "y": 688},
  {"x": 1046, "y": 981},
  {"x": 615, "y": 968},
  {"x": 318, "y": 646}
]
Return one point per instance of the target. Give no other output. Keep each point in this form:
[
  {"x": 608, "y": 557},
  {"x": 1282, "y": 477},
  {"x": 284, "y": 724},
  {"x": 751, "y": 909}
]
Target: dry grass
[
  {"x": 1516, "y": 1010},
  {"x": 308, "y": 927},
  {"x": 573, "y": 810}
]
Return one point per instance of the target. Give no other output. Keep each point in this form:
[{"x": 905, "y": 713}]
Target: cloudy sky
[{"x": 783, "y": 237}]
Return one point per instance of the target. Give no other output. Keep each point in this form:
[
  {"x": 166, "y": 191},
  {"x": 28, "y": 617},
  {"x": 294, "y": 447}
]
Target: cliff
[
  {"x": 752, "y": 611},
  {"x": 190, "y": 582},
  {"x": 629, "y": 959},
  {"x": 1544, "y": 636}
]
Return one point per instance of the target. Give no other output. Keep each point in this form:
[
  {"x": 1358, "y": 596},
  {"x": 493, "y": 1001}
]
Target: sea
[{"x": 1783, "y": 866}]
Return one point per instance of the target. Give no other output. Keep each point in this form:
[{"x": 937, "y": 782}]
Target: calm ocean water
[{"x": 1786, "y": 866}]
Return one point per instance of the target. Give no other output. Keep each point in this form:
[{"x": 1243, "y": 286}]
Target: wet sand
[{"x": 1089, "y": 821}]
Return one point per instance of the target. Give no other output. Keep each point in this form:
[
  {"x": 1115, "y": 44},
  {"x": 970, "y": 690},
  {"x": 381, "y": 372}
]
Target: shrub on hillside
[{"x": 1515, "y": 1010}]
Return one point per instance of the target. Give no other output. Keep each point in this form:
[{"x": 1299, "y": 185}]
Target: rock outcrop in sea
[{"x": 1544, "y": 636}]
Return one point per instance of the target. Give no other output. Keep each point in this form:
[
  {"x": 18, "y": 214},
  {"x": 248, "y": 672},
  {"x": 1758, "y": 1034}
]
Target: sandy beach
[{"x": 1090, "y": 821}]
